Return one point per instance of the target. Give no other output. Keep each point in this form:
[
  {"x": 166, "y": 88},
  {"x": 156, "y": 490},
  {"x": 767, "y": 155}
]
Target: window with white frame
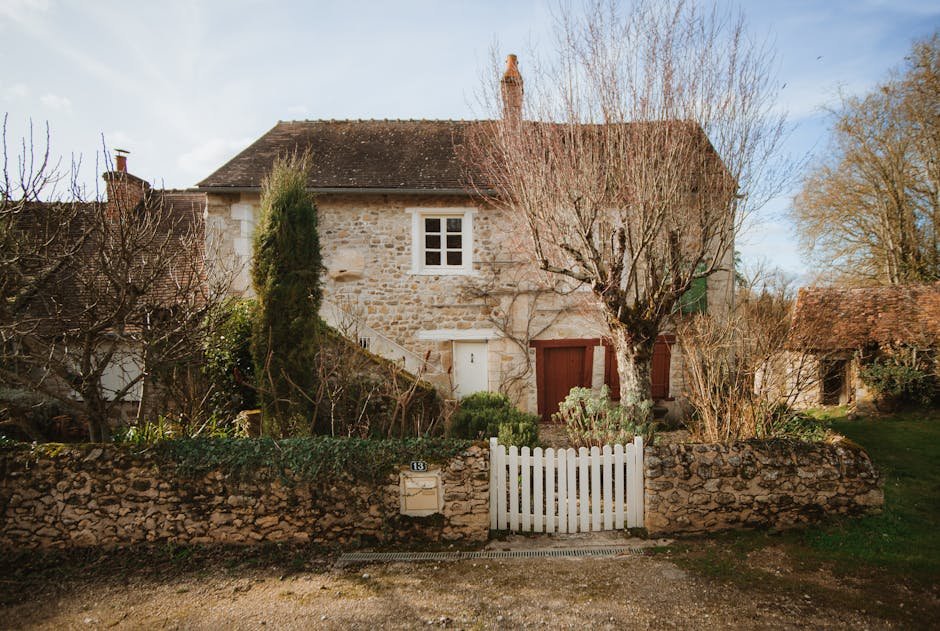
[{"x": 442, "y": 241}]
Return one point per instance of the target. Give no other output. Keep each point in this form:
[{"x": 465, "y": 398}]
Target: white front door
[{"x": 470, "y": 370}]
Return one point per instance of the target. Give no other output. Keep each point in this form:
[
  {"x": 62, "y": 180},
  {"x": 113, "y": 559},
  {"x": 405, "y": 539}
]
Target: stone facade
[
  {"x": 373, "y": 291},
  {"x": 703, "y": 488},
  {"x": 93, "y": 495}
]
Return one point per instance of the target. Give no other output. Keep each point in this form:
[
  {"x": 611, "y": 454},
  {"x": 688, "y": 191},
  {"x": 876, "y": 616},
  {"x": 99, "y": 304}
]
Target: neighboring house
[
  {"x": 838, "y": 327},
  {"x": 107, "y": 294},
  {"x": 183, "y": 214},
  {"x": 421, "y": 271}
]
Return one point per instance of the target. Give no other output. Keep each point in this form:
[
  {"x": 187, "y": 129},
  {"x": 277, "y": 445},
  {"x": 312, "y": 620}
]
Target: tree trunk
[
  {"x": 99, "y": 430},
  {"x": 634, "y": 360}
]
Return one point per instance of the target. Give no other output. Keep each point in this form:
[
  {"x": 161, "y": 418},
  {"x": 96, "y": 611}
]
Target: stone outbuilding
[{"x": 841, "y": 327}]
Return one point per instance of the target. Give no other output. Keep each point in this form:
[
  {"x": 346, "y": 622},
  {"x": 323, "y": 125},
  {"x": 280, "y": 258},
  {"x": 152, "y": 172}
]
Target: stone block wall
[
  {"x": 367, "y": 249},
  {"x": 112, "y": 496},
  {"x": 693, "y": 488}
]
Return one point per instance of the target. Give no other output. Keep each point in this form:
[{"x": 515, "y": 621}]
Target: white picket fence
[{"x": 566, "y": 491}]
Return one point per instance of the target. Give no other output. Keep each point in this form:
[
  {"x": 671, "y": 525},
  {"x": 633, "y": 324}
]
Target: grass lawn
[
  {"x": 904, "y": 539},
  {"x": 888, "y": 563}
]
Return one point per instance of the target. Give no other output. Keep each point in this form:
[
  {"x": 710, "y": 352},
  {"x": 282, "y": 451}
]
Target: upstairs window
[{"x": 443, "y": 241}]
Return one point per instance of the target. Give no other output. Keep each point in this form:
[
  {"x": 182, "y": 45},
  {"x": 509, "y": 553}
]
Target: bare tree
[
  {"x": 521, "y": 302},
  {"x": 740, "y": 372},
  {"x": 870, "y": 211},
  {"x": 97, "y": 296},
  {"x": 634, "y": 158}
]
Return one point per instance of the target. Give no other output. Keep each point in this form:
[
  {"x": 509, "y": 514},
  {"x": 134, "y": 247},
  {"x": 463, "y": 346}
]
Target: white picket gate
[{"x": 565, "y": 490}]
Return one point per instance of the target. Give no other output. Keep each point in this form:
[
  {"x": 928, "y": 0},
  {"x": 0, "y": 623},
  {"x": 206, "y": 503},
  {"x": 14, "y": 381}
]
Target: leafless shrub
[
  {"x": 739, "y": 376},
  {"x": 360, "y": 394}
]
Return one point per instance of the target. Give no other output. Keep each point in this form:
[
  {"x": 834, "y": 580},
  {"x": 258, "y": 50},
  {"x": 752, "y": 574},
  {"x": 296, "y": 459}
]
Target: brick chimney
[
  {"x": 125, "y": 191},
  {"x": 120, "y": 160},
  {"x": 511, "y": 88}
]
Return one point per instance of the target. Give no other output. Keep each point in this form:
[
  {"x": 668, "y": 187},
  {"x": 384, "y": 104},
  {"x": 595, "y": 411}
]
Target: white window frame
[{"x": 418, "y": 215}]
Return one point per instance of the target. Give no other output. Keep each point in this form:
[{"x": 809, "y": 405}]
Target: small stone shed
[{"x": 836, "y": 325}]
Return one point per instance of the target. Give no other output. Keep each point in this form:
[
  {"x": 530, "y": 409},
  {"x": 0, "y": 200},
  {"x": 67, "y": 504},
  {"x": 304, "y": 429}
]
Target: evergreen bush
[
  {"x": 523, "y": 431},
  {"x": 898, "y": 378},
  {"x": 229, "y": 366},
  {"x": 486, "y": 414},
  {"x": 286, "y": 278}
]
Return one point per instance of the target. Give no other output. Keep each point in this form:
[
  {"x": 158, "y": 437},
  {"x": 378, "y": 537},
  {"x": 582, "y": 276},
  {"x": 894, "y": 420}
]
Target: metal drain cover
[{"x": 385, "y": 557}]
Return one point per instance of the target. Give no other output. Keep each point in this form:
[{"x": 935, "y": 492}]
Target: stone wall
[
  {"x": 116, "y": 496},
  {"x": 701, "y": 488}
]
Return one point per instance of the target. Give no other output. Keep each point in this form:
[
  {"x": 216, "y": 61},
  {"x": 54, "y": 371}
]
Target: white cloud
[
  {"x": 204, "y": 158},
  {"x": 56, "y": 102},
  {"x": 16, "y": 91},
  {"x": 18, "y": 9}
]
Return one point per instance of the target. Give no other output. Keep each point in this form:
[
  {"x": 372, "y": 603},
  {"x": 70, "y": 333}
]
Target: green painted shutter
[{"x": 695, "y": 300}]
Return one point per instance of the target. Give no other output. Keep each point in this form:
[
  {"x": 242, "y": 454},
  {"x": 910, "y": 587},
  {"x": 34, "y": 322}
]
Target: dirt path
[{"x": 631, "y": 591}]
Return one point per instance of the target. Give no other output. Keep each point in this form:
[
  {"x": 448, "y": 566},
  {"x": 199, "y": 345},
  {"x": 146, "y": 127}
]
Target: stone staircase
[{"x": 375, "y": 342}]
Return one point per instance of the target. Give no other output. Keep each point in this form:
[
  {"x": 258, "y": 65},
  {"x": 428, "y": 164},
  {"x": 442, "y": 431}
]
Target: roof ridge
[
  {"x": 385, "y": 120},
  {"x": 867, "y": 288}
]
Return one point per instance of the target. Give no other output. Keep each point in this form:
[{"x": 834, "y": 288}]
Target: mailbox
[{"x": 422, "y": 493}]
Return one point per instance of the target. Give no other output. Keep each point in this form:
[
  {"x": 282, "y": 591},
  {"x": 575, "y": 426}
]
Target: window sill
[{"x": 443, "y": 271}]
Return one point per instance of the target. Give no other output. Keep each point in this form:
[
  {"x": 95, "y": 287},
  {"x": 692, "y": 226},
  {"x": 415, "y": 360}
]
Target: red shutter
[
  {"x": 611, "y": 376},
  {"x": 659, "y": 369}
]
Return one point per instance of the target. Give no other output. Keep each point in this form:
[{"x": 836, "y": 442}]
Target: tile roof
[
  {"x": 830, "y": 318},
  {"x": 357, "y": 154},
  {"x": 74, "y": 292}
]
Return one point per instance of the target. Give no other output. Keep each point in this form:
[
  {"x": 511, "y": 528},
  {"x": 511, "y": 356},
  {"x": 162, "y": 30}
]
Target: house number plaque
[{"x": 419, "y": 465}]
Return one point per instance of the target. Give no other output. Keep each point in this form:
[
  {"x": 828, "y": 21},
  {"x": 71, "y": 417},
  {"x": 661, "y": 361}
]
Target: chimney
[
  {"x": 125, "y": 191},
  {"x": 511, "y": 89},
  {"x": 120, "y": 160}
]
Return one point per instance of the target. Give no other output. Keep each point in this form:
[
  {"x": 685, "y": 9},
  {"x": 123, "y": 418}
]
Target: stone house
[
  {"x": 838, "y": 327},
  {"x": 421, "y": 271}
]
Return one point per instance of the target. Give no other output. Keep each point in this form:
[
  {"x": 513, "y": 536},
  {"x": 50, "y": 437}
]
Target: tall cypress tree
[{"x": 286, "y": 278}]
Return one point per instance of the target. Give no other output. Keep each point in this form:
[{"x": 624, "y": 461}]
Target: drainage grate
[{"x": 369, "y": 557}]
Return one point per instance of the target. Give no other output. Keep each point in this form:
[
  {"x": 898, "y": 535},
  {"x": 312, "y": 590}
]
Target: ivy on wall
[{"x": 318, "y": 459}]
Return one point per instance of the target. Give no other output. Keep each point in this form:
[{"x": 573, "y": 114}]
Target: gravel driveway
[{"x": 629, "y": 591}]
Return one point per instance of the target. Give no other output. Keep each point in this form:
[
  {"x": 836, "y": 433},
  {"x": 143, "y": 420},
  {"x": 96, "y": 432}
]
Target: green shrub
[
  {"x": 322, "y": 460},
  {"x": 478, "y": 415},
  {"x": 486, "y": 414},
  {"x": 591, "y": 418},
  {"x": 784, "y": 422},
  {"x": 166, "y": 428},
  {"x": 148, "y": 432},
  {"x": 229, "y": 367},
  {"x": 898, "y": 378},
  {"x": 521, "y": 432}
]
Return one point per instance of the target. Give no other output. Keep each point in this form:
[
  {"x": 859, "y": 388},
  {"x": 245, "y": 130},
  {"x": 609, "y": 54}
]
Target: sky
[{"x": 185, "y": 85}]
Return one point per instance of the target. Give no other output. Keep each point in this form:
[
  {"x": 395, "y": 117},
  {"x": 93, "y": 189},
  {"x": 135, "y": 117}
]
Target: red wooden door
[{"x": 560, "y": 366}]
